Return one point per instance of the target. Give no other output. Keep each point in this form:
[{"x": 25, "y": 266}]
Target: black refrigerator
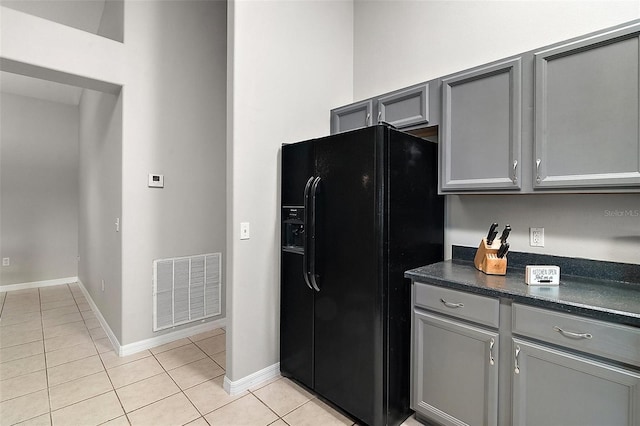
[{"x": 358, "y": 209}]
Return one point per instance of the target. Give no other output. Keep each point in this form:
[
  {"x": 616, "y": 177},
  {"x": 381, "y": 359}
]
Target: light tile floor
[{"x": 57, "y": 367}]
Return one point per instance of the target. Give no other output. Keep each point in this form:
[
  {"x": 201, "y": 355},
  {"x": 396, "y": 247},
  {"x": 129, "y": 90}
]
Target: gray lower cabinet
[
  {"x": 480, "y": 134},
  {"x": 587, "y": 114},
  {"x": 455, "y": 356},
  {"x": 556, "y": 368},
  {"x": 455, "y": 378},
  {"x": 555, "y": 387},
  {"x": 351, "y": 117}
]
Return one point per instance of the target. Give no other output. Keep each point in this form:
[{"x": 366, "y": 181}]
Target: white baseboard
[
  {"x": 37, "y": 284},
  {"x": 105, "y": 326},
  {"x": 239, "y": 386},
  {"x": 132, "y": 348},
  {"x": 152, "y": 342}
]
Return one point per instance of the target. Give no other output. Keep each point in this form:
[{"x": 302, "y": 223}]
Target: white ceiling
[{"x": 84, "y": 15}]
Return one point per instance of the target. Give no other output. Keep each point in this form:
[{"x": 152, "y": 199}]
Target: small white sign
[{"x": 542, "y": 275}]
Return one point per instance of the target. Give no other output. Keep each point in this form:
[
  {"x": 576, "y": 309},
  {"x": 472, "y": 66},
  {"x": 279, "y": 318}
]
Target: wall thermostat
[
  {"x": 156, "y": 181},
  {"x": 542, "y": 275}
]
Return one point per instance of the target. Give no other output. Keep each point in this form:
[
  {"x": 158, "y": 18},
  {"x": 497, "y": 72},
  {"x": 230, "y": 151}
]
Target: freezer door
[
  {"x": 348, "y": 318},
  {"x": 297, "y": 168},
  {"x": 296, "y": 321}
]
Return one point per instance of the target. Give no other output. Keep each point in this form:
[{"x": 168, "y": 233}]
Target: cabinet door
[
  {"x": 404, "y": 108},
  {"x": 552, "y": 387},
  {"x": 481, "y": 135},
  {"x": 351, "y": 117},
  {"x": 455, "y": 371},
  {"x": 587, "y": 116}
]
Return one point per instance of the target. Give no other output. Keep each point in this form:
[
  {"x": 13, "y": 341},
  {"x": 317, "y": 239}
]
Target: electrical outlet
[
  {"x": 6, "y": 261},
  {"x": 536, "y": 237}
]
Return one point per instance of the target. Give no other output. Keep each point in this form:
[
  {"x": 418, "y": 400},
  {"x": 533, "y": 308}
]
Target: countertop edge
[{"x": 592, "y": 311}]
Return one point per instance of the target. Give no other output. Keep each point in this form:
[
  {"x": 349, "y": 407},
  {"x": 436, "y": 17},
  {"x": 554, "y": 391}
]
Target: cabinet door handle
[
  {"x": 379, "y": 116},
  {"x": 367, "y": 121},
  {"x": 538, "y": 179},
  {"x": 573, "y": 335},
  {"x": 451, "y": 305},
  {"x": 491, "y": 343},
  {"x": 515, "y": 174},
  {"x": 517, "y": 369}
]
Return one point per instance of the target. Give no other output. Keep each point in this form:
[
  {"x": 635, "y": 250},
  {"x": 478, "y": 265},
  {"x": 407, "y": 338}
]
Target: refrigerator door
[
  {"x": 297, "y": 168},
  {"x": 415, "y": 232},
  {"x": 296, "y": 321},
  {"x": 296, "y": 296},
  {"x": 348, "y": 318}
]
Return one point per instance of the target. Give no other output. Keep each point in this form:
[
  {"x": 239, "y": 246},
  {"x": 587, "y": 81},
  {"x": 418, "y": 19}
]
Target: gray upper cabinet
[
  {"x": 350, "y": 117},
  {"x": 480, "y": 135},
  {"x": 554, "y": 387},
  {"x": 404, "y": 108},
  {"x": 587, "y": 116}
]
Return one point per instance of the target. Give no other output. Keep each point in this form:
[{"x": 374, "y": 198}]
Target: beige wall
[
  {"x": 398, "y": 43},
  {"x": 172, "y": 70},
  {"x": 402, "y": 42},
  {"x": 289, "y": 63},
  {"x": 100, "y": 203},
  {"x": 174, "y": 124},
  {"x": 38, "y": 189}
]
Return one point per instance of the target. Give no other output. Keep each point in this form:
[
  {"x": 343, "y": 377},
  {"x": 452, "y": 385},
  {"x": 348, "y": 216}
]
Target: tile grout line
[
  {"x": 46, "y": 367},
  {"x": 265, "y": 404},
  {"x": 93, "y": 343},
  {"x": 189, "y": 341},
  {"x": 113, "y": 388}
]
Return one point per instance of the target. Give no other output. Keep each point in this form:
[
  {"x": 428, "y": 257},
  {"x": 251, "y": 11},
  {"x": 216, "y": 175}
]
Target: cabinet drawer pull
[
  {"x": 517, "y": 369},
  {"x": 451, "y": 305},
  {"x": 491, "y": 343},
  {"x": 572, "y": 334}
]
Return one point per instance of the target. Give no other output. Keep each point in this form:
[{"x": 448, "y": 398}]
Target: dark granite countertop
[{"x": 602, "y": 299}]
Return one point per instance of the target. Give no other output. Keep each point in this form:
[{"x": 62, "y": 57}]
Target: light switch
[{"x": 244, "y": 230}]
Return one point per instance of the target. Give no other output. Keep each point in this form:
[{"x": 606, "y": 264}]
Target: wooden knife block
[{"x": 487, "y": 259}]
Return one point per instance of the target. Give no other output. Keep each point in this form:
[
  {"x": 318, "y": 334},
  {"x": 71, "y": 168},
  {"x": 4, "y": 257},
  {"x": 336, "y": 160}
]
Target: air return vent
[{"x": 186, "y": 289}]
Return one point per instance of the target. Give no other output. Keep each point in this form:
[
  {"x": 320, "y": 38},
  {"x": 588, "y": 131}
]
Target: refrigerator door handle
[
  {"x": 314, "y": 193},
  {"x": 305, "y": 253}
]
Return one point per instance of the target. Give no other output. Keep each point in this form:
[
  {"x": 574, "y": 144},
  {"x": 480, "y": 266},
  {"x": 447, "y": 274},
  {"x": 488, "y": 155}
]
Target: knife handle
[
  {"x": 505, "y": 233},
  {"x": 492, "y": 233},
  {"x": 504, "y": 248}
]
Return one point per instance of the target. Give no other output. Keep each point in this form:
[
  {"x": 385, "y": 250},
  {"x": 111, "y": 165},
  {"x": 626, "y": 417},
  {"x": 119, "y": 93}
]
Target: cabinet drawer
[
  {"x": 471, "y": 307},
  {"x": 613, "y": 341}
]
